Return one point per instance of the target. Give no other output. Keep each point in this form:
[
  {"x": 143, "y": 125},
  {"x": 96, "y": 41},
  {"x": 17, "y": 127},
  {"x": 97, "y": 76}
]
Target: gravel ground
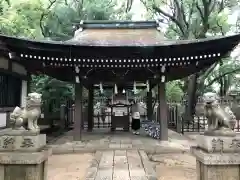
[
  {"x": 68, "y": 166},
  {"x": 175, "y": 166}
]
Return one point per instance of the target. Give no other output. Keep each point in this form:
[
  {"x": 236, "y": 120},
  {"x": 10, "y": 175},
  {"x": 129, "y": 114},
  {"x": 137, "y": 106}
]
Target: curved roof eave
[{"x": 8, "y": 40}]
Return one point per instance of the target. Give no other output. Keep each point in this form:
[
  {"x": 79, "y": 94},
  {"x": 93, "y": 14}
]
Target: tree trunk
[
  {"x": 191, "y": 98},
  {"x": 221, "y": 93},
  {"x": 226, "y": 85}
]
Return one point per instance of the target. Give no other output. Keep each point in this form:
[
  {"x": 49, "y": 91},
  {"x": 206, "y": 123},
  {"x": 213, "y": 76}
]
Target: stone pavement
[
  {"x": 121, "y": 165},
  {"x": 94, "y": 141}
]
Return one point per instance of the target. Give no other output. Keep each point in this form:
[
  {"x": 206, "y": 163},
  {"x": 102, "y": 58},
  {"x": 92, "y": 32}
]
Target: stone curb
[
  {"x": 93, "y": 168},
  {"x": 149, "y": 170},
  {"x": 71, "y": 149}
]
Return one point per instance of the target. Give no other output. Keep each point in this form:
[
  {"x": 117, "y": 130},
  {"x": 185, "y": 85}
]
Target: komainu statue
[
  {"x": 220, "y": 121},
  {"x": 27, "y": 117}
]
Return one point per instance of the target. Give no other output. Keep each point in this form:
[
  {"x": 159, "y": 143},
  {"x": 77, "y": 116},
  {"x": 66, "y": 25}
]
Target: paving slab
[
  {"x": 137, "y": 172},
  {"x": 106, "y": 161},
  {"x": 134, "y": 160},
  {"x": 114, "y": 146},
  {"x": 104, "y": 175},
  {"x": 121, "y": 174},
  {"x": 139, "y": 178},
  {"x": 103, "y": 141},
  {"x": 125, "y": 146},
  {"x": 120, "y": 162},
  {"x": 120, "y": 152},
  {"x": 121, "y": 165}
]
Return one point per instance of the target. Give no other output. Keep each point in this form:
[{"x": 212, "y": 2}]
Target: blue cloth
[{"x": 151, "y": 128}]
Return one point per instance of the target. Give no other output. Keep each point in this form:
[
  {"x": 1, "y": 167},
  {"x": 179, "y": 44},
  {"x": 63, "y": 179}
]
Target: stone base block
[
  {"x": 216, "y": 166},
  {"x": 21, "y": 140},
  {"x": 214, "y": 144},
  {"x": 215, "y": 158},
  {"x": 24, "y": 166},
  {"x": 215, "y": 172}
]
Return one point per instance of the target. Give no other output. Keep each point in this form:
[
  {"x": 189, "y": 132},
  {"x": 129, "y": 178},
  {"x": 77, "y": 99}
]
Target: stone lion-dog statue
[
  {"x": 27, "y": 117},
  {"x": 221, "y": 121}
]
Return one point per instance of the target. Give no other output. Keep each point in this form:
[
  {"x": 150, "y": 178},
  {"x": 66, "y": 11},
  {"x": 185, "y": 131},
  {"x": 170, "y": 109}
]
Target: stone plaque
[
  {"x": 26, "y": 143},
  {"x": 22, "y": 142},
  {"x": 215, "y": 144},
  {"x": 235, "y": 144},
  {"x": 215, "y": 158},
  {"x": 8, "y": 142}
]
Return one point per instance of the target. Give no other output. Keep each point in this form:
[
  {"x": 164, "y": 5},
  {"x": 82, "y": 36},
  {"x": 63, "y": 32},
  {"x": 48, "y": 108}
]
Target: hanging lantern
[
  {"x": 115, "y": 89},
  {"x": 101, "y": 87},
  {"x": 148, "y": 87},
  {"x": 134, "y": 88},
  {"x": 123, "y": 91}
]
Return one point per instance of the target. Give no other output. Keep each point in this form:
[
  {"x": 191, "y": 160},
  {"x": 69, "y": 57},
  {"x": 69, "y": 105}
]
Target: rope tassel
[
  {"x": 134, "y": 87},
  {"x": 115, "y": 89},
  {"x": 101, "y": 87},
  {"x": 148, "y": 87}
]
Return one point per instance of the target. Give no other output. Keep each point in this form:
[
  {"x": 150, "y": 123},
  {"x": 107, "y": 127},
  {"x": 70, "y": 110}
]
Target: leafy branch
[
  {"x": 43, "y": 15},
  {"x": 223, "y": 75}
]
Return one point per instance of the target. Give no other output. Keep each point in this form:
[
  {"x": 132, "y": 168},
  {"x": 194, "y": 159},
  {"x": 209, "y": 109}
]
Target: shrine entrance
[{"x": 110, "y": 55}]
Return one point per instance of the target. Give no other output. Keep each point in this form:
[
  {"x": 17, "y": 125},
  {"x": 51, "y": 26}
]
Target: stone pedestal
[
  {"x": 217, "y": 158},
  {"x": 23, "y": 155}
]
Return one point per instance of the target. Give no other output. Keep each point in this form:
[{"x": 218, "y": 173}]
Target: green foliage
[
  {"x": 224, "y": 75},
  {"x": 173, "y": 92},
  {"x": 51, "y": 88},
  {"x": 58, "y": 22},
  {"x": 193, "y": 19},
  {"x": 38, "y": 19},
  {"x": 219, "y": 23},
  {"x": 22, "y": 19}
]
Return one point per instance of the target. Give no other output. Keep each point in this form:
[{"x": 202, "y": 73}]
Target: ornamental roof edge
[
  {"x": 118, "y": 24},
  {"x": 6, "y": 40}
]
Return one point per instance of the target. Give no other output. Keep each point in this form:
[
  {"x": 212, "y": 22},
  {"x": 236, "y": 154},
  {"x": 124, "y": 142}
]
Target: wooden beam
[{"x": 20, "y": 76}]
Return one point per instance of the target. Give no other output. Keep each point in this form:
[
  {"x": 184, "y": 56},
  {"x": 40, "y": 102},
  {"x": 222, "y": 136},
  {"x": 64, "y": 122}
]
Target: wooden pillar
[
  {"x": 90, "y": 108},
  {"x": 162, "y": 111},
  {"x": 24, "y": 93},
  {"x": 62, "y": 116},
  {"x": 78, "y": 113},
  {"x": 149, "y": 105},
  {"x": 29, "y": 81}
]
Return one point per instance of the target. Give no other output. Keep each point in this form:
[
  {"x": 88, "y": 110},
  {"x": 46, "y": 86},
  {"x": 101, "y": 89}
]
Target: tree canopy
[
  {"x": 194, "y": 19},
  {"x": 55, "y": 20}
]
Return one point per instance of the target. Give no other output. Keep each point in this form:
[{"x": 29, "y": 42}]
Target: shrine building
[{"x": 109, "y": 53}]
